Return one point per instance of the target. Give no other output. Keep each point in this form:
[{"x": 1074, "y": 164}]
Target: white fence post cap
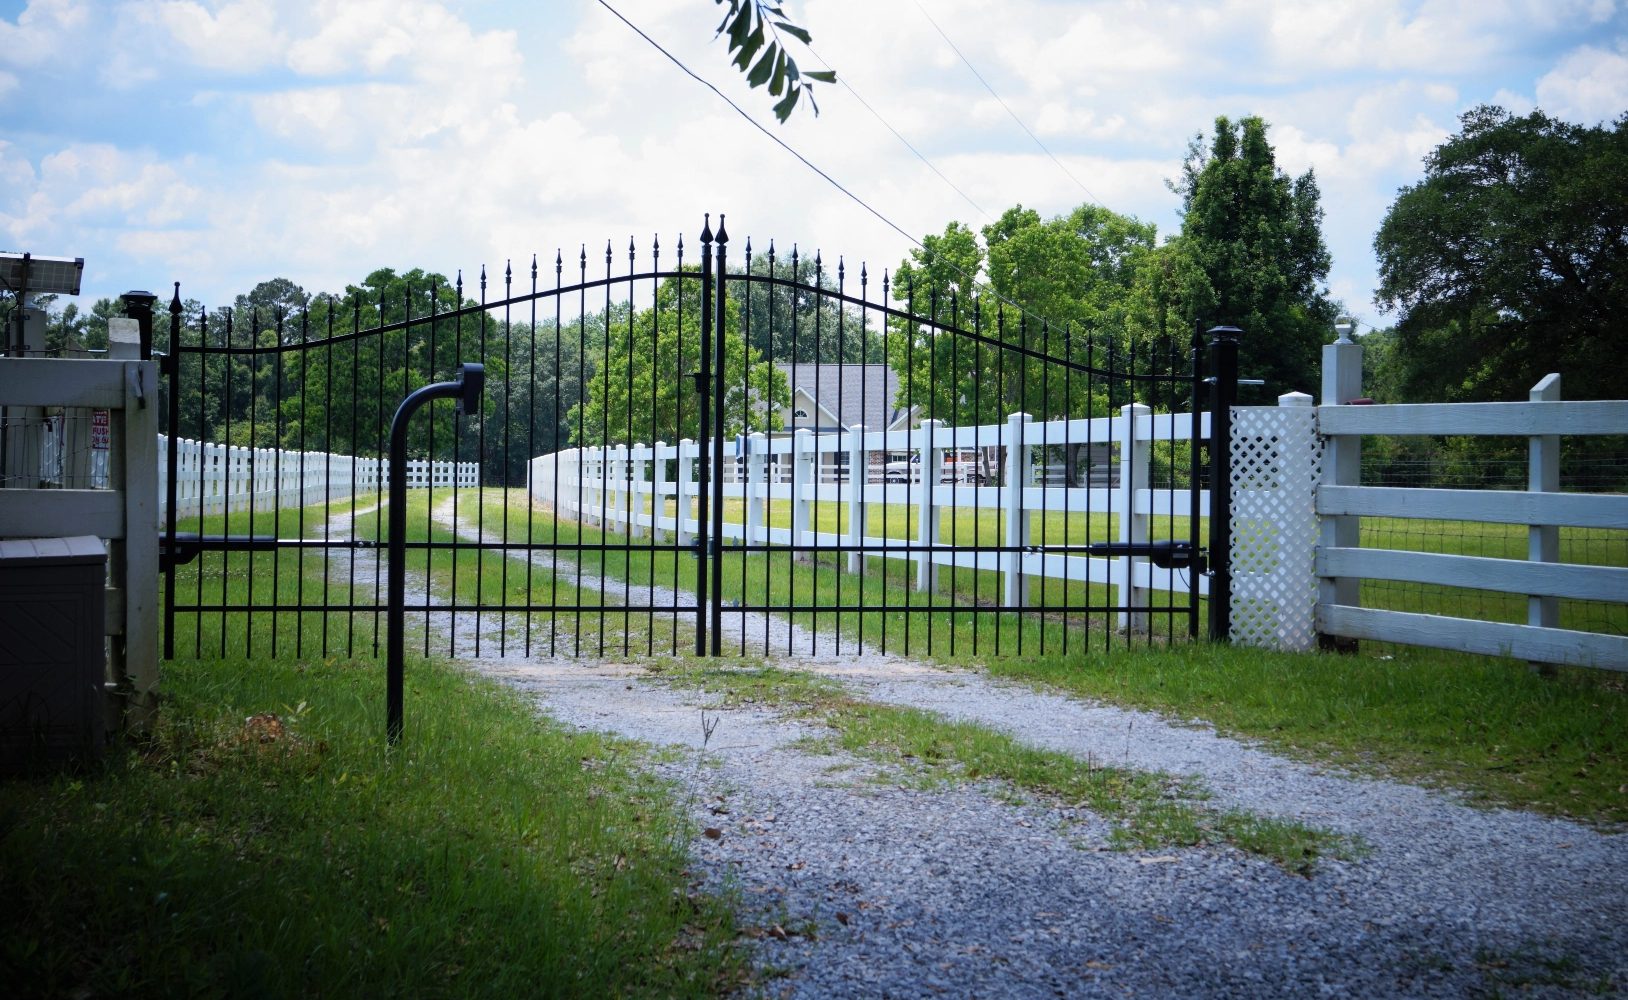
[{"x": 1294, "y": 399}]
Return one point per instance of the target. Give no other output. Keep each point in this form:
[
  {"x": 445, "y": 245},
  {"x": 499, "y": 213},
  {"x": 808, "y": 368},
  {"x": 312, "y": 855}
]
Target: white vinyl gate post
[
  {"x": 658, "y": 491},
  {"x": 684, "y": 490},
  {"x": 1543, "y": 540},
  {"x": 927, "y": 518},
  {"x": 1342, "y": 466},
  {"x": 636, "y": 491},
  {"x": 858, "y": 474},
  {"x": 757, "y": 451},
  {"x": 1133, "y": 524},
  {"x": 1019, "y": 474},
  {"x": 802, "y": 474}
]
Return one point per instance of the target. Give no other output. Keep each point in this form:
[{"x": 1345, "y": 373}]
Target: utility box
[{"x": 52, "y": 653}]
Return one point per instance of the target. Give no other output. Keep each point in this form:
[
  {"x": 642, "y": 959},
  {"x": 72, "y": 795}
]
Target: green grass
[
  {"x": 1148, "y": 809},
  {"x": 1557, "y": 745},
  {"x": 490, "y": 854},
  {"x": 1490, "y": 727}
]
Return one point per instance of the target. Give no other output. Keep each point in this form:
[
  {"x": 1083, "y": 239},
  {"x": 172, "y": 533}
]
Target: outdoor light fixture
[
  {"x": 22, "y": 273},
  {"x": 1345, "y": 326}
]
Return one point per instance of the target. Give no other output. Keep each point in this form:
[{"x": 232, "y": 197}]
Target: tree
[
  {"x": 1254, "y": 254},
  {"x": 1509, "y": 260},
  {"x": 751, "y": 24},
  {"x": 637, "y": 391},
  {"x": 786, "y": 322}
]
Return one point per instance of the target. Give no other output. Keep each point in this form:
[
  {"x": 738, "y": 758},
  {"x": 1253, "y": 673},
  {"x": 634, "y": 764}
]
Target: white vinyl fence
[
  {"x": 1341, "y": 501},
  {"x": 216, "y": 478},
  {"x": 616, "y": 487}
]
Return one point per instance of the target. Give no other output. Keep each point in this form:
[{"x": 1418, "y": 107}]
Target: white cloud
[
  {"x": 1589, "y": 85},
  {"x": 43, "y": 32},
  {"x": 241, "y": 37}
]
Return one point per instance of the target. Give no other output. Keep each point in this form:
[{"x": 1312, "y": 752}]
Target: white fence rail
[
  {"x": 217, "y": 478},
  {"x": 1342, "y": 561},
  {"x": 634, "y": 490}
]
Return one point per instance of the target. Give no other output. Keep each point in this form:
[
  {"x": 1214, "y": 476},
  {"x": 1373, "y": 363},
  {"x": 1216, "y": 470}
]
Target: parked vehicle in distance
[{"x": 959, "y": 467}]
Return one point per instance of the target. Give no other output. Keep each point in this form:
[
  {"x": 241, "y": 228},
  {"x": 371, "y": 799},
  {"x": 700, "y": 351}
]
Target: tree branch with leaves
[{"x": 755, "y": 29}]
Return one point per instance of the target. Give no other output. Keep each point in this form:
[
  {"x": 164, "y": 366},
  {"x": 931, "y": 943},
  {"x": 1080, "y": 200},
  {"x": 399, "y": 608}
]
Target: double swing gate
[{"x": 752, "y": 454}]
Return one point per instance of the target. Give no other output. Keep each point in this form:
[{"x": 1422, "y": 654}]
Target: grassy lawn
[
  {"x": 490, "y": 854},
  {"x": 1480, "y": 724}
]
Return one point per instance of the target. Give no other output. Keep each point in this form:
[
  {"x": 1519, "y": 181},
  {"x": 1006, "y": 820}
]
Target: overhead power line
[
  {"x": 971, "y": 279},
  {"x": 956, "y": 49}
]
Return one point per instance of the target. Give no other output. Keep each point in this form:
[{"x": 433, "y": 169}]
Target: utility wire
[
  {"x": 972, "y": 279},
  {"x": 842, "y": 79},
  {"x": 1003, "y": 104}
]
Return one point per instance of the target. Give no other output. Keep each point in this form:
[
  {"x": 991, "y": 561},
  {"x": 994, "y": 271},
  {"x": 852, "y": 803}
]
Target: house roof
[{"x": 856, "y": 394}]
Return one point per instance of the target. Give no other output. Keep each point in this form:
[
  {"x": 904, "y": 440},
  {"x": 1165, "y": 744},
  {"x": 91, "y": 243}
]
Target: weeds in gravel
[
  {"x": 1149, "y": 809},
  {"x": 296, "y": 855}
]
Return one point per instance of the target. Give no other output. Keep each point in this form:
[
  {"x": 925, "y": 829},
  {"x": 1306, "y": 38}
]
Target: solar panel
[{"x": 46, "y": 275}]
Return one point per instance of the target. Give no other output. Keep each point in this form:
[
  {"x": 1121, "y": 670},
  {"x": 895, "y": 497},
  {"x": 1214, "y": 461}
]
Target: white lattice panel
[{"x": 1276, "y": 463}]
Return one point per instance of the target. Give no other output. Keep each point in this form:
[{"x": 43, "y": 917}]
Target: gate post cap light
[
  {"x": 1225, "y": 334},
  {"x": 1345, "y": 326}
]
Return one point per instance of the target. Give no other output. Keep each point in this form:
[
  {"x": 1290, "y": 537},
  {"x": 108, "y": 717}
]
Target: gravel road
[{"x": 854, "y": 885}]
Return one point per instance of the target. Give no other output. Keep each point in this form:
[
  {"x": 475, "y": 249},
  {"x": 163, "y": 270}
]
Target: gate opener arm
[{"x": 1171, "y": 554}]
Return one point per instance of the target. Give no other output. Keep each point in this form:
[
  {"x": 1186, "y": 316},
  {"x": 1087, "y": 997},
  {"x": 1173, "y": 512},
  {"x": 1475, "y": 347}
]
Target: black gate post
[
  {"x": 1224, "y": 370},
  {"x": 720, "y": 385},
  {"x": 467, "y": 390},
  {"x": 703, "y": 492},
  {"x": 172, "y": 369}
]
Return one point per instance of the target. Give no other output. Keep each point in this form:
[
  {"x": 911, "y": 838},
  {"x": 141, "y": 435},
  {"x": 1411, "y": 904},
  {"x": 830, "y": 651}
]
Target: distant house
[{"x": 828, "y": 398}]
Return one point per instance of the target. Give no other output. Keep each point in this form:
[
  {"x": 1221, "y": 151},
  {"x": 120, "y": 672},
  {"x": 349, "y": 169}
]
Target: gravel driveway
[{"x": 856, "y": 885}]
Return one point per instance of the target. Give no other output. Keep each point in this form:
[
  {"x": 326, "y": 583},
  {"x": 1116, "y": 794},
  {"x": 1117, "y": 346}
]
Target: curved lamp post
[{"x": 466, "y": 389}]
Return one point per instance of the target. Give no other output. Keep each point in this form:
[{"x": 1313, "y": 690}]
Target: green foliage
[
  {"x": 787, "y": 323},
  {"x": 1509, "y": 260},
  {"x": 1251, "y": 254},
  {"x": 640, "y": 390},
  {"x": 754, "y": 30}
]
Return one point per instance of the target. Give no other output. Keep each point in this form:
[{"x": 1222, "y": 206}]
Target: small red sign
[{"x": 99, "y": 434}]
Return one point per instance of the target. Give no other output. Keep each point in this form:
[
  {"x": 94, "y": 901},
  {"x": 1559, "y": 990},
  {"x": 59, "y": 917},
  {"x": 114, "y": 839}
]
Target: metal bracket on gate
[{"x": 186, "y": 545}]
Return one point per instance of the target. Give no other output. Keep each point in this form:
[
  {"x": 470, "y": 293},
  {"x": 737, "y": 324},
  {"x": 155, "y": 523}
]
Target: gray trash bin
[{"x": 52, "y": 654}]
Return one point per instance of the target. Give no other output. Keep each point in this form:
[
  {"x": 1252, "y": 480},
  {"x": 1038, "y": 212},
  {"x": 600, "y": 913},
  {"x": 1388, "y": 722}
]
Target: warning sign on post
[{"x": 99, "y": 430}]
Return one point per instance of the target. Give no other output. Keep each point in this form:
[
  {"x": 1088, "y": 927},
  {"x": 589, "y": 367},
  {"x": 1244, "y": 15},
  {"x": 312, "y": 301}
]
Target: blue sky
[{"x": 223, "y": 143}]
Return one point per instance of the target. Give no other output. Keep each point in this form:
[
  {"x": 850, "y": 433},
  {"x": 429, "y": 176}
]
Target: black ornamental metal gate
[{"x": 727, "y": 454}]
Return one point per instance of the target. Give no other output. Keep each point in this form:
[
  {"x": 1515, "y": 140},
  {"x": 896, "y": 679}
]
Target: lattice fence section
[{"x": 1276, "y": 463}]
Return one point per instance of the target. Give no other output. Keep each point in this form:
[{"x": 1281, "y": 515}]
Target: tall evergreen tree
[{"x": 1254, "y": 241}]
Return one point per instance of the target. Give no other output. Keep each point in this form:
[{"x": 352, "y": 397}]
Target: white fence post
[
  {"x": 927, "y": 518},
  {"x": 858, "y": 475},
  {"x": 1018, "y": 476},
  {"x": 1342, "y": 466},
  {"x": 1133, "y": 525},
  {"x": 1274, "y": 467},
  {"x": 802, "y": 475},
  {"x": 684, "y": 490},
  {"x": 634, "y": 471},
  {"x": 658, "y": 491},
  {"x": 757, "y": 451},
  {"x": 1543, "y": 475}
]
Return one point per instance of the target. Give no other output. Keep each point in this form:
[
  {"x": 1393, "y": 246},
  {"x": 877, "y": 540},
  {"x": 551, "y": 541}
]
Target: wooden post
[
  {"x": 1019, "y": 475},
  {"x": 858, "y": 475},
  {"x": 1133, "y": 524},
  {"x": 927, "y": 512},
  {"x": 1342, "y": 466},
  {"x": 1543, "y": 540}
]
